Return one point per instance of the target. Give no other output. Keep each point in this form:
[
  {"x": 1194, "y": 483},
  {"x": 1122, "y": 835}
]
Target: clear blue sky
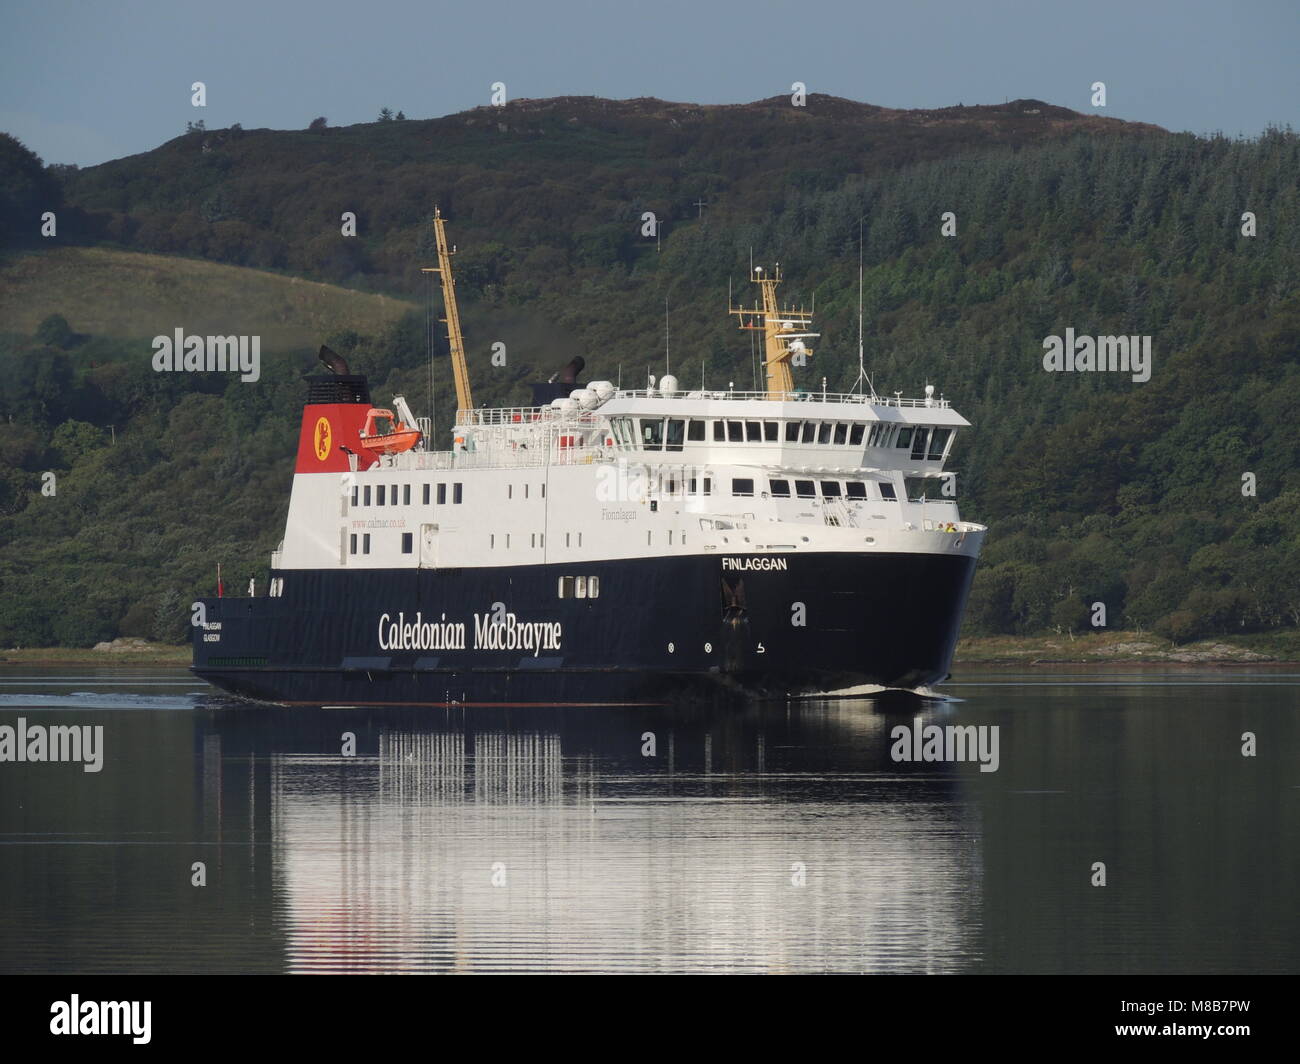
[{"x": 88, "y": 81}]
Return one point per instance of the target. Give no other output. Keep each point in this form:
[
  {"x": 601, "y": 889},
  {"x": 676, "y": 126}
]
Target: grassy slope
[{"x": 108, "y": 292}]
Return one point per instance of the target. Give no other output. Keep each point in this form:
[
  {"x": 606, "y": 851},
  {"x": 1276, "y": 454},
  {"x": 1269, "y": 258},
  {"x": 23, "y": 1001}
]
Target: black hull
[{"x": 661, "y": 630}]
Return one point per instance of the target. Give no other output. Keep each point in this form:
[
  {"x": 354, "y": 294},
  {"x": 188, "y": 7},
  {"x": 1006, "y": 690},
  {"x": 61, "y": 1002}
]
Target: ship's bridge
[
  {"x": 797, "y": 430},
  {"x": 844, "y": 430}
]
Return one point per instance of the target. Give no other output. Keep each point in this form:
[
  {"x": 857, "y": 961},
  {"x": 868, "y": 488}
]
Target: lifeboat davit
[{"x": 384, "y": 434}]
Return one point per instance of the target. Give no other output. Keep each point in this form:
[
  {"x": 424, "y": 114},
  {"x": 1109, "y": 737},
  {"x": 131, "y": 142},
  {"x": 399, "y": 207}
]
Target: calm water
[{"x": 773, "y": 839}]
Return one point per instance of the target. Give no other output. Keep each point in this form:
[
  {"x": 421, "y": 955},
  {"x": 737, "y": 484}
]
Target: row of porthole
[{"x": 672, "y": 648}]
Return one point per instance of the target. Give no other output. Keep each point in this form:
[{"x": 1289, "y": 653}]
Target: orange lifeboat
[{"x": 384, "y": 434}]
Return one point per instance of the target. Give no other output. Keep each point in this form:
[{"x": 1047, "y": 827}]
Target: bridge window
[
  {"x": 780, "y": 488},
  {"x": 695, "y": 431},
  {"x": 855, "y": 435},
  {"x": 735, "y": 432},
  {"x": 754, "y": 432},
  {"x": 841, "y": 434},
  {"x": 887, "y": 491},
  {"x": 676, "y": 433},
  {"x": 831, "y": 489},
  {"x": 770, "y": 431},
  {"x": 792, "y": 432},
  {"x": 856, "y": 489},
  {"x": 719, "y": 432},
  {"x": 938, "y": 443},
  {"x": 918, "y": 444},
  {"x": 809, "y": 432},
  {"x": 652, "y": 434},
  {"x": 904, "y": 438},
  {"x": 805, "y": 489},
  {"x": 824, "y": 432},
  {"x": 742, "y": 486}
]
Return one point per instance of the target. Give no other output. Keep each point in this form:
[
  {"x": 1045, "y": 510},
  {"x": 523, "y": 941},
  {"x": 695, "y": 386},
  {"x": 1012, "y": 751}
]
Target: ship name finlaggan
[{"x": 763, "y": 564}]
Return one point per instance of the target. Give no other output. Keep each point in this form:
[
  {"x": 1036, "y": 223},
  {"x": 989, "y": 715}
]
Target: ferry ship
[{"x": 607, "y": 546}]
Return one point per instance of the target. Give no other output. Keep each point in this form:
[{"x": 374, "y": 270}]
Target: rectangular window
[
  {"x": 543, "y": 489},
  {"x": 676, "y": 435},
  {"x": 426, "y": 495},
  {"x": 392, "y": 494},
  {"x": 805, "y": 489},
  {"x": 406, "y": 494},
  {"x": 442, "y": 494},
  {"x": 824, "y": 432},
  {"x": 356, "y": 493},
  {"x": 566, "y": 587},
  {"x": 735, "y": 432},
  {"x": 830, "y": 489},
  {"x": 352, "y": 544},
  {"x": 365, "y": 543},
  {"x": 593, "y": 587},
  {"x": 692, "y": 486},
  {"x": 708, "y": 485},
  {"x": 874, "y": 437},
  {"x": 841, "y": 434},
  {"x": 792, "y": 432},
  {"x": 379, "y": 493},
  {"x": 780, "y": 488},
  {"x": 652, "y": 434},
  {"x": 457, "y": 494},
  {"x": 532, "y": 539},
  {"x": 525, "y": 491},
  {"x": 695, "y": 431},
  {"x": 492, "y": 540},
  {"x": 719, "y": 432},
  {"x": 580, "y": 587},
  {"x": 855, "y": 435},
  {"x": 887, "y": 491},
  {"x": 753, "y": 432},
  {"x": 770, "y": 433},
  {"x": 918, "y": 444},
  {"x": 408, "y": 542},
  {"x": 938, "y": 442},
  {"x": 856, "y": 489},
  {"x": 510, "y": 491},
  {"x": 742, "y": 486},
  {"x": 809, "y": 432},
  {"x": 904, "y": 438},
  {"x": 367, "y": 494}
]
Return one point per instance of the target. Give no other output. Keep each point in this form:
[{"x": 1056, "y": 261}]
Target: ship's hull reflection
[{"x": 781, "y": 838}]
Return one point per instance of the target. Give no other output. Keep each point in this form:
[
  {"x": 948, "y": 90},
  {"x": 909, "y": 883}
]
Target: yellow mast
[
  {"x": 464, "y": 400},
  {"x": 783, "y": 333}
]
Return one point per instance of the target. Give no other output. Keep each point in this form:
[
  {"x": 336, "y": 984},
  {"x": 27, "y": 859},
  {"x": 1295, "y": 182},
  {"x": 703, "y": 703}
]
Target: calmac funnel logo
[{"x": 323, "y": 437}]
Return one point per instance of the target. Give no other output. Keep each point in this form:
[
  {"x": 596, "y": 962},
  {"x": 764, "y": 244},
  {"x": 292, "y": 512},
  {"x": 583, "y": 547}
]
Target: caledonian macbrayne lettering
[{"x": 495, "y": 630}]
